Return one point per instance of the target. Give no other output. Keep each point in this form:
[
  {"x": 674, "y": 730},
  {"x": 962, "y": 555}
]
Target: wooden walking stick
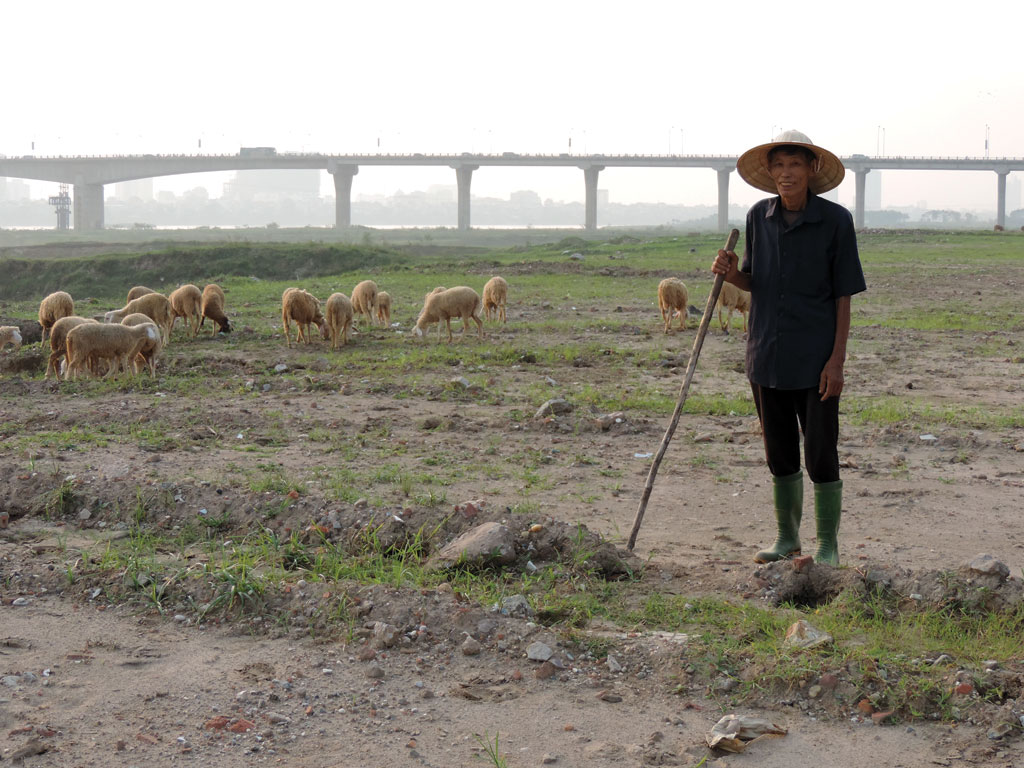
[{"x": 698, "y": 342}]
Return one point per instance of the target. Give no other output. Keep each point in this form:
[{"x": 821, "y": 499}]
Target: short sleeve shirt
[{"x": 796, "y": 274}]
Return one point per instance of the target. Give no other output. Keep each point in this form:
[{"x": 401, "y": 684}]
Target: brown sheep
[
  {"x": 150, "y": 348},
  {"x": 461, "y": 301},
  {"x": 58, "y": 341},
  {"x": 364, "y": 299},
  {"x": 187, "y": 303},
  {"x": 155, "y": 306},
  {"x": 339, "y": 318},
  {"x": 495, "y": 298},
  {"x": 673, "y": 297},
  {"x": 384, "y": 308},
  {"x": 213, "y": 307},
  {"x": 304, "y": 308},
  {"x": 138, "y": 290},
  {"x": 51, "y": 309},
  {"x": 732, "y": 298},
  {"x": 116, "y": 344}
]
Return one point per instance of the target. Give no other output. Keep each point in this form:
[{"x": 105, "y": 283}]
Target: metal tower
[{"x": 62, "y": 203}]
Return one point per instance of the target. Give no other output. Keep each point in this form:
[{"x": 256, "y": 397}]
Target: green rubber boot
[
  {"x": 788, "y": 492},
  {"x": 828, "y": 507}
]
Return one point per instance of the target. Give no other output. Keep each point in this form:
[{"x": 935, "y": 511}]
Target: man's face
[{"x": 792, "y": 174}]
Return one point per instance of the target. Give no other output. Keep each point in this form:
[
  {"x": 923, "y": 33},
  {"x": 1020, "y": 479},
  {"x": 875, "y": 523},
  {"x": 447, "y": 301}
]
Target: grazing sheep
[
  {"x": 11, "y": 334},
  {"x": 732, "y": 298},
  {"x": 187, "y": 303},
  {"x": 384, "y": 308},
  {"x": 213, "y": 307},
  {"x": 138, "y": 290},
  {"x": 461, "y": 301},
  {"x": 673, "y": 297},
  {"x": 116, "y": 344},
  {"x": 495, "y": 297},
  {"x": 53, "y": 308},
  {"x": 339, "y": 318},
  {"x": 150, "y": 348},
  {"x": 364, "y": 299},
  {"x": 58, "y": 341},
  {"x": 304, "y": 308},
  {"x": 155, "y": 306}
]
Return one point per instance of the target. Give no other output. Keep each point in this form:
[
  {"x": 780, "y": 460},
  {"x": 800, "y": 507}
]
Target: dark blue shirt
[{"x": 796, "y": 275}]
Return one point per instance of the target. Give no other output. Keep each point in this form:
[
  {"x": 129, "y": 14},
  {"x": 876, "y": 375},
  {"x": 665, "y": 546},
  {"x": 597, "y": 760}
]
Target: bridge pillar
[
  {"x": 464, "y": 178},
  {"x": 88, "y": 206},
  {"x": 1001, "y": 198},
  {"x": 342, "y": 192},
  {"x": 723, "y": 198},
  {"x": 858, "y": 207},
  {"x": 590, "y": 174}
]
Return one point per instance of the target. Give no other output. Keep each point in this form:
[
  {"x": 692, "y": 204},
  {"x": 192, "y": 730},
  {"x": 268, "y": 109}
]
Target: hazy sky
[{"x": 449, "y": 76}]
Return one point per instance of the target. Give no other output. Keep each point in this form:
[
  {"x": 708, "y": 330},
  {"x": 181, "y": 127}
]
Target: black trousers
[{"x": 786, "y": 414}]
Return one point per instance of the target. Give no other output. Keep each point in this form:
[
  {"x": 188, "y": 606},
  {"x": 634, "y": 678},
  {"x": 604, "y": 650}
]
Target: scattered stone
[
  {"x": 366, "y": 653},
  {"x": 989, "y": 566},
  {"x": 19, "y": 601},
  {"x": 865, "y": 707},
  {"x": 278, "y": 719},
  {"x": 516, "y": 606},
  {"x": 1000, "y": 731},
  {"x": 608, "y": 696},
  {"x": 814, "y": 691},
  {"x": 384, "y": 635},
  {"x": 802, "y": 563},
  {"x": 553, "y": 407},
  {"x": 803, "y": 635},
  {"x": 460, "y": 381},
  {"x": 546, "y": 670},
  {"x": 576, "y": 256},
  {"x": 242, "y": 726},
  {"x": 613, "y": 664},
  {"x": 538, "y": 651},
  {"x": 30, "y": 749},
  {"x": 280, "y": 368},
  {"x": 548, "y": 759},
  {"x": 881, "y": 718},
  {"x": 471, "y": 647},
  {"x": 487, "y": 544},
  {"x": 828, "y": 681},
  {"x": 374, "y": 672}
]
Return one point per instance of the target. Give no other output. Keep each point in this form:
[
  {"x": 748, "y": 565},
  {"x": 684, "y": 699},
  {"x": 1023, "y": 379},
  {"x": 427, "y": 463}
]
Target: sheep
[
  {"x": 114, "y": 343},
  {"x": 384, "y": 308},
  {"x": 339, "y": 318},
  {"x": 213, "y": 307},
  {"x": 495, "y": 297},
  {"x": 138, "y": 290},
  {"x": 461, "y": 301},
  {"x": 364, "y": 299},
  {"x": 58, "y": 339},
  {"x": 187, "y": 302},
  {"x": 53, "y": 308},
  {"x": 150, "y": 348},
  {"x": 673, "y": 297},
  {"x": 732, "y": 298},
  {"x": 304, "y": 308},
  {"x": 155, "y": 306},
  {"x": 11, "y": 334}
]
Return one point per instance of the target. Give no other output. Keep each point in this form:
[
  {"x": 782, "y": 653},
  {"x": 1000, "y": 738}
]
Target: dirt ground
[{"x": 89, "y": 682}]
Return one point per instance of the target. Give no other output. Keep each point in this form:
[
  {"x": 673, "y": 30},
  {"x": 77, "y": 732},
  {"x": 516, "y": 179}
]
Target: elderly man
[{"x": 801, "y": 267}]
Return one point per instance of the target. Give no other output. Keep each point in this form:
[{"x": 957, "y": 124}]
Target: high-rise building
[
  {"x": 873, "y": 191},
  {"x": 271, "y": 185},
  {"x": 141, "y": 189}
]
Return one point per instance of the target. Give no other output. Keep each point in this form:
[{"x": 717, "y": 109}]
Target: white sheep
[
  {"x": 495, "y": 297},
  {"x": 364, "y": 299},
  {"x": 187, "y": 303},
  {"x": 10, "y": 334},
  {"x": 673, "y": 297},
  {"x": 51, "y": 309},
  {"x": 58, "y": 341},
  {"x": 138, "y": 290},
  {"x": 461, "y": 301},
  {"x": 304, "y": 308},
  {"x": 339, "y": 318},
  {"x": 213, "y": 307},
  {"x": 150, "y": 348},
  {"x": 384, "y": 308},
  {"x": 732, "y": 298},
  {"x": 155, "y": 306},
  {"x": 115, "y": 344}
]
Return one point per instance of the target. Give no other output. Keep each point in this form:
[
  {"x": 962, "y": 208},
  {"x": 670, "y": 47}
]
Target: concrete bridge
[{"x": 88, "y": 175}]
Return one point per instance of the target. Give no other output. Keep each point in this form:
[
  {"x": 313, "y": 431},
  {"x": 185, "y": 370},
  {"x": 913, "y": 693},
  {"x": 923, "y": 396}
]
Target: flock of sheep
[
  {"x": 441, "y": 304},
  {"x": 134, "y": 335},
  {"x": 128, "y": 338}
]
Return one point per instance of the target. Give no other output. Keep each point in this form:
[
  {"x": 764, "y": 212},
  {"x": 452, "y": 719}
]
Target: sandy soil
[{"x": 87, "y": 682}]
